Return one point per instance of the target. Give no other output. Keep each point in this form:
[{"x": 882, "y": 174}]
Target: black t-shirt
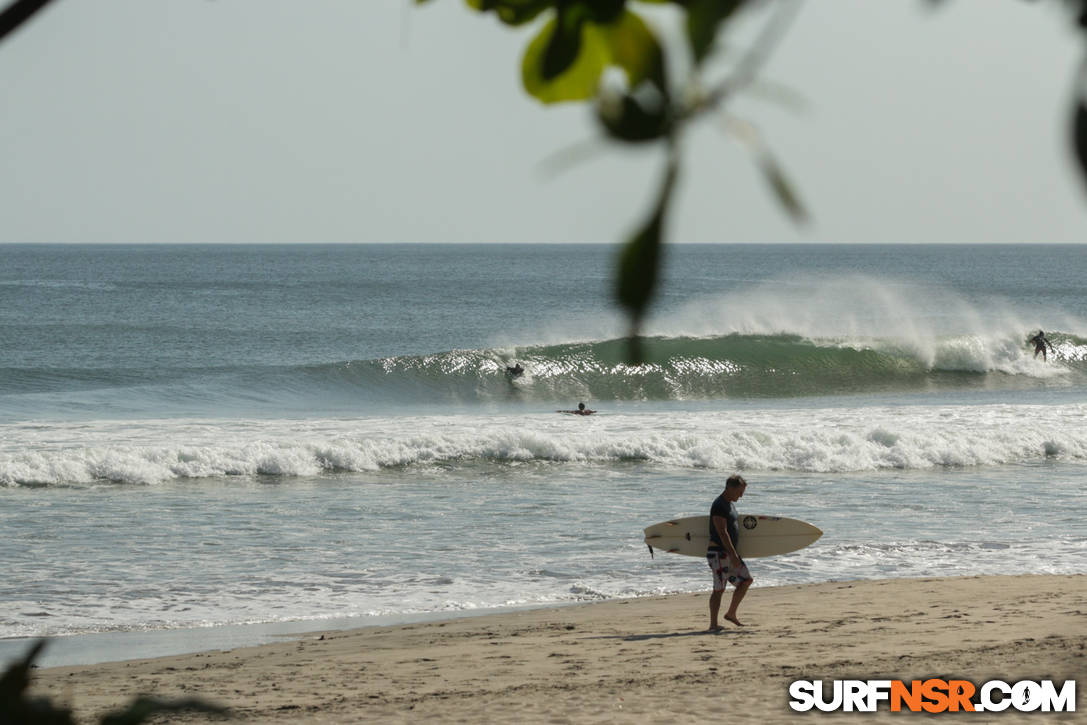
[{"x": 723, "y": 507}]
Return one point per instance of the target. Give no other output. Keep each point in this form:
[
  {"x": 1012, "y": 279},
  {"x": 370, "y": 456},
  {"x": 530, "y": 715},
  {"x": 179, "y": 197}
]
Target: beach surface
[{"x": 634, "y": 660}]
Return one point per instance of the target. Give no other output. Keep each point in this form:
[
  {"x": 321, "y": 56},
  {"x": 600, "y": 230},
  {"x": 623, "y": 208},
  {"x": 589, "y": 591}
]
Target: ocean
[{"x": 205, "y": 445}]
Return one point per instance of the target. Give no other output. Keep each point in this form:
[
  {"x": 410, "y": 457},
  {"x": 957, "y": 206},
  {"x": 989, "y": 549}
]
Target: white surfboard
[{"x": 759, "y": 535}]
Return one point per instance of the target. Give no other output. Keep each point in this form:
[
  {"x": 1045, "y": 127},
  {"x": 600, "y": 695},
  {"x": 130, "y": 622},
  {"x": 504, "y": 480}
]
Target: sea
[{"x": 214, "y": 445}]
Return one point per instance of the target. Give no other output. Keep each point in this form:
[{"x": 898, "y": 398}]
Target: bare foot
[
  {"x": 732, "y": 618},
  {"x": 716, "y": 628}
]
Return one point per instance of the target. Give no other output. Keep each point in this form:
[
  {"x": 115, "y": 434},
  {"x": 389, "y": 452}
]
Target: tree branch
[{"x": 18, "y": 13}]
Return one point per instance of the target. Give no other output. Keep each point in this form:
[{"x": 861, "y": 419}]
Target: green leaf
[
  {"x": 564, "y": 44},
  {"x": 639, "y": 258},
  {"x": 627, "y": 43},
  {"x": 644, "y": 112},
  {"x": 635, "y": 49},
  {"x": 16, "y": 706},
  {"x": 578, "y": 81},
  {"x": 1079, "y": 136},
  {"x": 142, "y": 708},
  {"x": 512, "y": 12},
  {"x": 704, "y": 18},
  {"x": 604, "y": 11},
  {"x": 639, "y": 263},
  {"x": 782, "y": 188}
]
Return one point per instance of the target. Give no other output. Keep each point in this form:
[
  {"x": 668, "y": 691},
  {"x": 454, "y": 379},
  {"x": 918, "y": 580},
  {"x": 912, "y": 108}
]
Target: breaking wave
[
  {"x": 733, "y": 366},
  {"x": 810, "y": 440},
  {"x": 729, "y": 366}
]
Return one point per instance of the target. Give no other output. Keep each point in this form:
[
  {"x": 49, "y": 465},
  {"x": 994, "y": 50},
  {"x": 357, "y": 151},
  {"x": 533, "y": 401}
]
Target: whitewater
[{"x": 819, "y": 440}]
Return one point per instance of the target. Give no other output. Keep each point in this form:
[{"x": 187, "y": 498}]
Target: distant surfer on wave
[
  {"x": 581, "y": 410},
  {"x": 516, "y": 371},
  {"x": 1040, "y": 343},
  {"x": 721, "y": 554}
]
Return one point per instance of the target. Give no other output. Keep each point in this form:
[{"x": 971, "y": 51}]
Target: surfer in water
[
  {"x": 724, "y": 560},
  {"x": 1040, "y": 343},
  {"x": 516, "y": 371},
  {"x": 581, "y": 410}
]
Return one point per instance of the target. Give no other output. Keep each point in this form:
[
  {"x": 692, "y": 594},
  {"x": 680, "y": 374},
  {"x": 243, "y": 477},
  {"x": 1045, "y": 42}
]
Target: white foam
[
  {"x": 820, "y": 440},
  {"x": 937, "y": 326}
]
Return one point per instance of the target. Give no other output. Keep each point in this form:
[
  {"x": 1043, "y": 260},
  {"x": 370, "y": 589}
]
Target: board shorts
[{"x": 723, "y": 572}]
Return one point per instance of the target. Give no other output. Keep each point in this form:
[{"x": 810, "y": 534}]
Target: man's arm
[{"x": 722, "y": 531}]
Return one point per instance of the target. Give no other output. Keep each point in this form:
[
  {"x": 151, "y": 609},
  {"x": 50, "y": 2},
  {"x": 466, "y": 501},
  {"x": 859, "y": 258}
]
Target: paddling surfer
[
  {"x": 581, "y": 410},
  {"x": 1040, "y": 343},
  {"x": 724, "y": 560}
]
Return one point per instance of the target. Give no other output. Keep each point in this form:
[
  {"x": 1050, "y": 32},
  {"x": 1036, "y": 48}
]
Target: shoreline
[
  {"x": 96, "y": 648},
  {"x": 624, "y": 660}
]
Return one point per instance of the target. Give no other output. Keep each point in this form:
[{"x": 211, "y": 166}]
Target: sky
[{"x": 129, "y": 121}]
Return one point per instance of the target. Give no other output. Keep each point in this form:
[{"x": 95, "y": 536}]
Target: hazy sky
[{"x": 374, "y": 120}]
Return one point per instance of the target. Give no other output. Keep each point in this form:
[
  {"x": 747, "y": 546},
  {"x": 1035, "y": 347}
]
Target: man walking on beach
[{"x": 724, "y": 560}]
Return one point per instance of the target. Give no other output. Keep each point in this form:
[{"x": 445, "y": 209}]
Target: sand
[{"x": 632, "y": 661}]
